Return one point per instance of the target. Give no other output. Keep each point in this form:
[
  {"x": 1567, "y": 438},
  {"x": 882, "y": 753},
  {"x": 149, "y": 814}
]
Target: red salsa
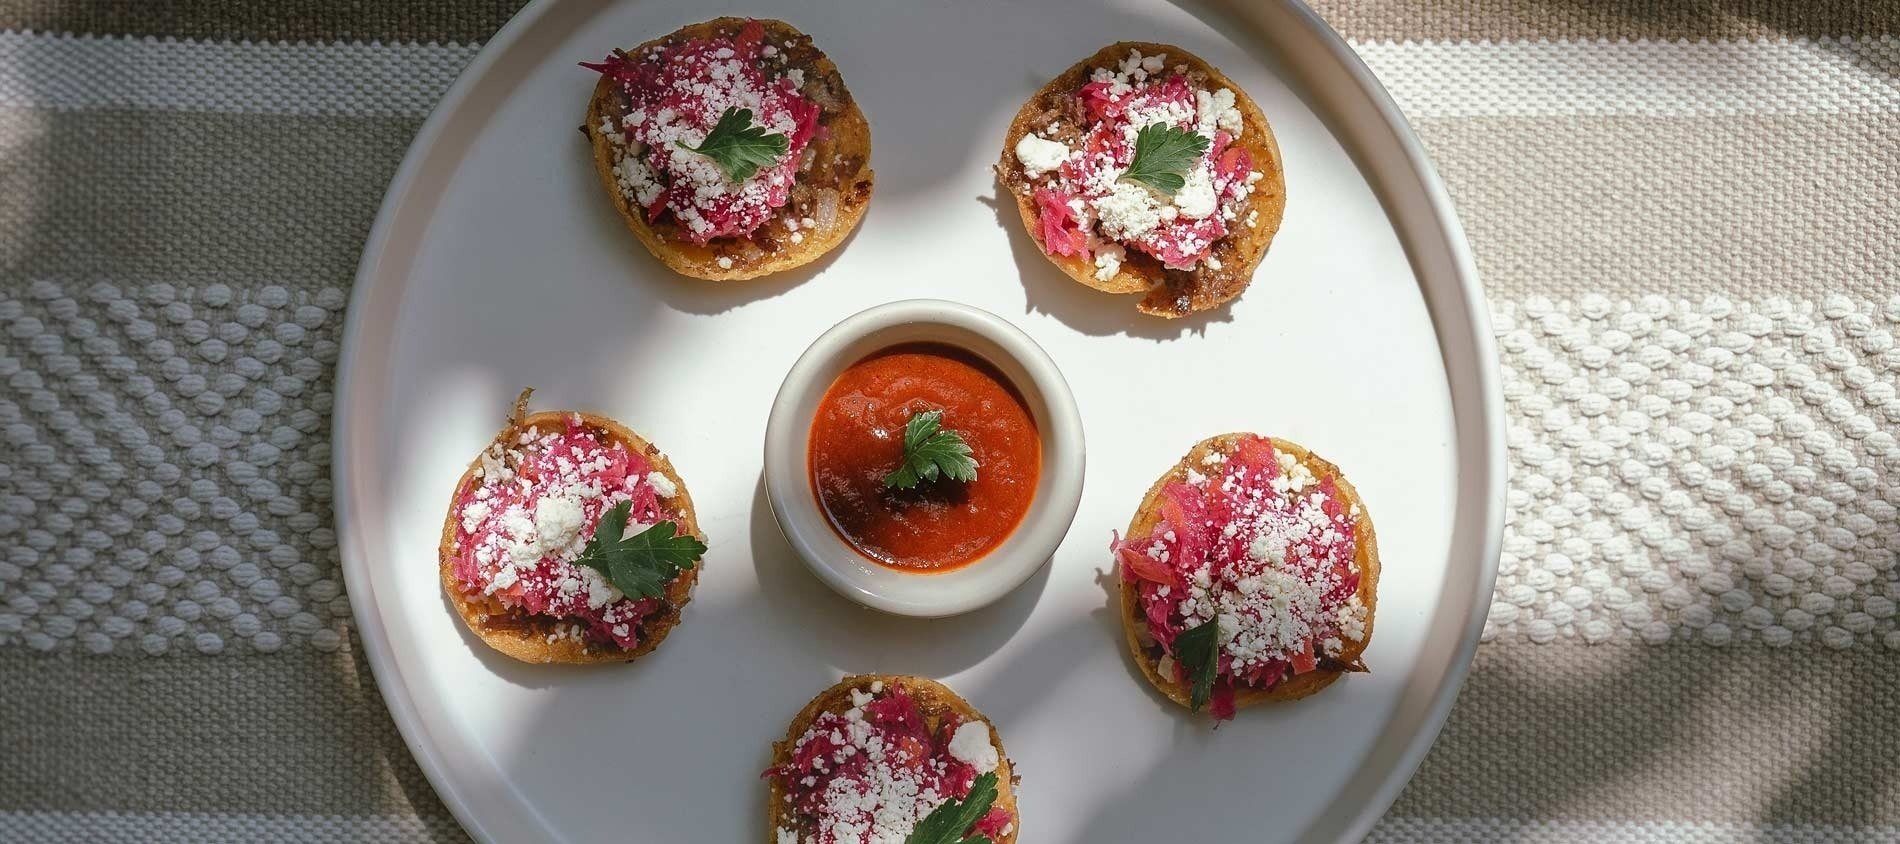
[{"x": 857, "y": 439}]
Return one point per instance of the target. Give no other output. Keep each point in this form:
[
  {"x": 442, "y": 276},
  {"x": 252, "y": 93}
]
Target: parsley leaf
[
  {"x": 1198, "y": 649},
  {"x": 930, "y": 451},
  {"x": 947, "y": 823},
  {"x": 1163, "y": 155},
  {"x": 641, "y": 564},
  {"x": 738, "y": 147}
]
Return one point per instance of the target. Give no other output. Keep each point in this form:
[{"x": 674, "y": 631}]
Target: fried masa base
[
  {"x": 1134, "y": 621},
  {"x": 1170, "y": 293},
  {"x": 525, "y": 636},
  {"x": 837, "y": 162},
  {"x": 934, "y": 698}
]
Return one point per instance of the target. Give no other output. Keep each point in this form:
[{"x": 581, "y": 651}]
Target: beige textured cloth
[{"x": 1687, "y": 216}]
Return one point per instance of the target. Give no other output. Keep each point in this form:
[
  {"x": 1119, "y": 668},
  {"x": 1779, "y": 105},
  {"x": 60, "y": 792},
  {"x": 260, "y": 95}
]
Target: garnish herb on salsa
[{"x": 930, "y": 452}]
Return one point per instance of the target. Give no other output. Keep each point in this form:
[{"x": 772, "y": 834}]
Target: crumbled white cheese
[
  {"x": 1039, "y": 156},
  {"x": 612, "y": 132},
  {"x": 502, "y": 579},
  {"x": 1269, "y": 547},
  {"x": 725, "y": 263},
  {"x": 473, "y": 514},
  {"x": 1108, "y": 260},
  {"x": 1294, "y": 475},
  {"x": 600, "y": 592},
  {"x": 494, "y": 469},
  {"x": 1196, "y": 198},
  {"x": 1214, "y": 111},
  {"x": 1227, "y": 624},
  {"x": 1288, "y": 606},
  {"x": 520, "y": 537},
  {"x": 1352, "y": 619},
  {"x": 1118, "y": 83},
  {"x": 971, "y": 745},
  {"x": 1169, "y": 112},
  {"x": 1128, "y": 212},
  {"x": 558, "y": 518},
  {"x": 663, "y": 486},
  {"x": 1132, "y": 68}
]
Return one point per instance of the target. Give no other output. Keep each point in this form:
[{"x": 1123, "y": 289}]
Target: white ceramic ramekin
[{"x": 1058, "y": 488}]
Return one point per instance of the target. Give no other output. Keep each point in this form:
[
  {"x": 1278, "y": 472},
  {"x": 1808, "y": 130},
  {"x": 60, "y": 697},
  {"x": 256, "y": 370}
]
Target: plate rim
[{"x": 1429, "y": 212}]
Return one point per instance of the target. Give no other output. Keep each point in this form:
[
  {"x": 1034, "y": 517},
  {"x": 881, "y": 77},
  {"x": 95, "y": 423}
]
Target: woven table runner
[{"x": 1687, "y": 217}]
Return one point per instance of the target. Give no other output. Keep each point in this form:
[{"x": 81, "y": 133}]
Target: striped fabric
[{"x": 1685, "y": 215}]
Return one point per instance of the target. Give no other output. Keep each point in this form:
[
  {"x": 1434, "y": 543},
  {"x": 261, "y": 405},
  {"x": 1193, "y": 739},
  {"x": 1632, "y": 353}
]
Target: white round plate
[{"x": 497, "y": 263}]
